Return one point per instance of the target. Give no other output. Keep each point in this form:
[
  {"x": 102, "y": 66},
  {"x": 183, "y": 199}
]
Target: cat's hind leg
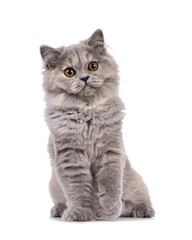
[
  {"x": 135, "y": 199},
  {"x": 58, "y": 198},
  {"x": 58, "y": 210},
  {"x": 142, "y": 210},
  {"x": 55, "y": 189}
]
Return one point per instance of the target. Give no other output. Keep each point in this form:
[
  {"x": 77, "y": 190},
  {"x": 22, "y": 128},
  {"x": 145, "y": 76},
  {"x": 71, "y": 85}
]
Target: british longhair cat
[{"x": 91, "y": 175}]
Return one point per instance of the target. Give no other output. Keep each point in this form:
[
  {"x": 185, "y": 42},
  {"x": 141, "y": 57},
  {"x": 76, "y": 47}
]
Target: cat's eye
[
  {"x": 69, "y": 72},
  {"x": 93, "y": 66}
]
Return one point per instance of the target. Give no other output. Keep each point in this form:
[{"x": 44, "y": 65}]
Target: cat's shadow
[{"x": 121, "y": 219}]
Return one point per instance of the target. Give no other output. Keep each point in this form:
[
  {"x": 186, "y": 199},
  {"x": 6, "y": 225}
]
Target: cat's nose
[{"x": 84, "y": 78}]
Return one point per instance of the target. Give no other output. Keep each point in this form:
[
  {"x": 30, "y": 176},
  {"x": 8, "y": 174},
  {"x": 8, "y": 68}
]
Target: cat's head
[{"x": 84, "y": 72}]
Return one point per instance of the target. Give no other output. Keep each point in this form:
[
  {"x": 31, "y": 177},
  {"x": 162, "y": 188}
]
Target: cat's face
[{"x": 84, "y": 70}]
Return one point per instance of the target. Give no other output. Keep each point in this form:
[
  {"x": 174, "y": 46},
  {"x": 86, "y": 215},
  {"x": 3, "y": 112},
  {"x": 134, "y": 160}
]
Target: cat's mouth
[
  {"x": 88, "y": 85},
  {"x": 95, "y": 84},
  {"x": 87, "y": 88},
  {"x": 80, "y": 88}
]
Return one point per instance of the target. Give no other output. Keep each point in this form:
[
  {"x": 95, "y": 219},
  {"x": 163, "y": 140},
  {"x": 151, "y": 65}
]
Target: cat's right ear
[
  {"x": 50, "y": 56},
  {"x": 96, "y": 41}
]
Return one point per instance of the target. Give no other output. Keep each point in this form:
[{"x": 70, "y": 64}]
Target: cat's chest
[
  {"x": 85, "y": 126},
  {"x": 77, "y": 124},
  {"x": 87, "y": 123}
]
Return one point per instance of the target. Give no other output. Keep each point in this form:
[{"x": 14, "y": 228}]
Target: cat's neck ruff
[
  {"x": 100, "y": 106},
  {"x": 65, "y": 103},
  {"x": 95, "y": 106}
]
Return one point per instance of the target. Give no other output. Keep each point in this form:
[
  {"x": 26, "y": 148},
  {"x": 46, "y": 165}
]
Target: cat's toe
[
  {"x": 111, "y": 208},
  {"x": 78, "y": 214},
  {"x": 143, "y": 211},
  {"x": 58, "y": 210}
]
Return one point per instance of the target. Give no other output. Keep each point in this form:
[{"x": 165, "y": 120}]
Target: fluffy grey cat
[{"x": 91, "y": 175}]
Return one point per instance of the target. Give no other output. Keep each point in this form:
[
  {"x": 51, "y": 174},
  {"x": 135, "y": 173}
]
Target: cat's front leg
[
  {"x": 75, "y": 177},
  {"x": 109, "y": 182}
]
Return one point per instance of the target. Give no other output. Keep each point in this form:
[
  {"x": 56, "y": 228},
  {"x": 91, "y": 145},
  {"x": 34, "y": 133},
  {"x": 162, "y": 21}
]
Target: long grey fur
[{"x": 91, "y": 175}]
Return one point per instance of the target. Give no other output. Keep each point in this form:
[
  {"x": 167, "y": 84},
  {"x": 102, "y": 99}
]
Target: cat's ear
[
  {"x": 50, "y": 56},
  {"x": 96, "y": 41}
]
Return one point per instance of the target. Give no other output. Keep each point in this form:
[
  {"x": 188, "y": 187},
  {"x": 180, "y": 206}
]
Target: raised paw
[
  {"x": 78, "y": 214},
  {"x": 143, "y": 211},
  {"x": 58, "y": 210},
  {"x": 111, "y": 208}
]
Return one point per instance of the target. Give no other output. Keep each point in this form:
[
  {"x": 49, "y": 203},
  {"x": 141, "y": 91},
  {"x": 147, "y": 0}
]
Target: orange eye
[
  {"x": 69, "y": 72},
  {"x": 93, "y": 66}
]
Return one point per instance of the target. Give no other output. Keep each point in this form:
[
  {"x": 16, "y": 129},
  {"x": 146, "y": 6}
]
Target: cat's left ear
[
  {"x": 50, "y": 56},
  {"x": 96, "y": 41}
]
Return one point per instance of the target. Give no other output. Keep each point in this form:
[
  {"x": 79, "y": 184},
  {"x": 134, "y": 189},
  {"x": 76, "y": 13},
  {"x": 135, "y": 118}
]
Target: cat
[{"x": 91, "y": 175}]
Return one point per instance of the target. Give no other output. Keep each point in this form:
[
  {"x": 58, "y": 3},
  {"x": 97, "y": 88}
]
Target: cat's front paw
[
  {"x": 78, "y": 214},
  {"x": 111, "y": 207}
]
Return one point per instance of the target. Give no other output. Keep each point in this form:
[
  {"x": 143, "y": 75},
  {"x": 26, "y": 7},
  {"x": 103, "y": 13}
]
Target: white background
[{"x": 152, "y": 43}]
